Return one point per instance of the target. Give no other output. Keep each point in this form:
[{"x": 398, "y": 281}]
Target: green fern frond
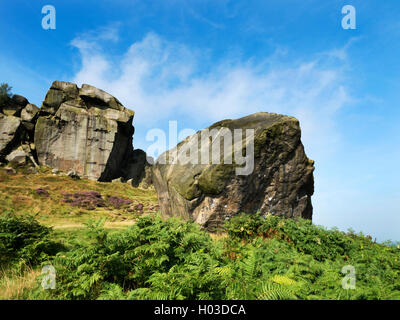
[
  {"x": 273, "y": 291},
  {"x": 283, "y": 280}
]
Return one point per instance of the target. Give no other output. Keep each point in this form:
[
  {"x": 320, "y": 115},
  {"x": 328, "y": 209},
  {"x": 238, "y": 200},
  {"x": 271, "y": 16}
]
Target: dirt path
[{"x": 107, "y": 225}]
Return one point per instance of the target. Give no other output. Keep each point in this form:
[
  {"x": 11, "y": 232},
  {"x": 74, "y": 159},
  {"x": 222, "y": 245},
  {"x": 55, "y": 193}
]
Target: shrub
[
  {"x": 150, "y": 259},
  {"x": 117, "y": 202},
  {"x": 84, "y": 199},
  {"x": 92, "y": 199},
  {"x": 24, "y": 241},
  {"x": 261, "y": 258},
  {"x": 306, "y": 237},
  {"x": 310, "y": 255},
  {"x": 42, "y": 192},
  {"x": 5, "y": 93}
]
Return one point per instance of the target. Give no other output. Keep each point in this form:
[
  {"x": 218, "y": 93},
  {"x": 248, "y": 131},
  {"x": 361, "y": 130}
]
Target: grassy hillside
[
  {"x": 103, "y": 252},
  {"x": 63, "y": 202}
]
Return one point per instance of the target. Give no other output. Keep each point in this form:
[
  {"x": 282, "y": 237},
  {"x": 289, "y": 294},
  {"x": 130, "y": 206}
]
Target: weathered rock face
[
  {"x": 83, "y": 129},
  {"x": 17, "y": 122},
  {"x": 30, "y": 113},
  {"x": 10, "y": 133},
  {"x": 18, "y": 157},
  {"x": 14, "y": 105},
  {"x": 280, "y": 183}
]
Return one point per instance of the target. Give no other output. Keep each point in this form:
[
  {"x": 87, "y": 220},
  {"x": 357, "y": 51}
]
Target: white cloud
[
  {"x": 160, "y": 79},
  {"x": 89, "y": 40}
]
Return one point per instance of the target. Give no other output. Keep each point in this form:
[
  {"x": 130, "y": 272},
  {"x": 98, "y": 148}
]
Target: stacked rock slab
[
  {"x": 281, "y": 182},
  {"x": 83, "y": 129}
]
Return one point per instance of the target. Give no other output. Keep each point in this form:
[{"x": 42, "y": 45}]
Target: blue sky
[{"x": 198, "y": 62}]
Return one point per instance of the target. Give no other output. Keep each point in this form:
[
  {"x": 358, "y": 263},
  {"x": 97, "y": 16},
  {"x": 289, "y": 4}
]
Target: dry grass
[
  {"x": 107, "y": 225},
  {"x": 13, "y": 283},
  {"x": 218, "y": 236}
]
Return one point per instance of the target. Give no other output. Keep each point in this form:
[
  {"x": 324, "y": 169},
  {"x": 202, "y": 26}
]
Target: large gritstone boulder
[
  {"x": 83, "y": 129},
  {"x": 261, "y": 167}
]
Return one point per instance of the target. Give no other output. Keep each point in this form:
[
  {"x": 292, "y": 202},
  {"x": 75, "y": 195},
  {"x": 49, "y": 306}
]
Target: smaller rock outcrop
[
  {"x": 80, "y": 132},
  {"x": 17, "y": 124},
  {"x": 84, "y": 129},
  {"x": 11, "y": 133}
]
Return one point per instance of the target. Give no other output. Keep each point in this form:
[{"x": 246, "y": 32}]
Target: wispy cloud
[
  {"x": 203, "y": 19},
  {"x": 92, "y": 39},
  {"x": 342, "y": 52}
]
